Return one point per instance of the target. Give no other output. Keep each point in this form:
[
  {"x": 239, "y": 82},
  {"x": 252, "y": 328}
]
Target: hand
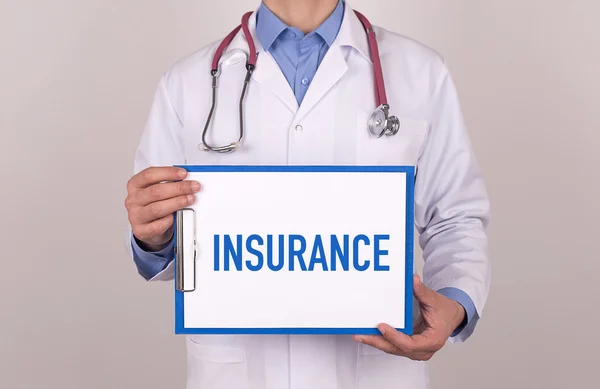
[
  {"x": 440, "y": 316},
  {"x": 152, "y": 198}
]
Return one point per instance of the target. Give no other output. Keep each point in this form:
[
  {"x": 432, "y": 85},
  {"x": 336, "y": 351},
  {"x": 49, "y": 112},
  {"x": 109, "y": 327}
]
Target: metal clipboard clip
[{"x": 185, "y": 250}]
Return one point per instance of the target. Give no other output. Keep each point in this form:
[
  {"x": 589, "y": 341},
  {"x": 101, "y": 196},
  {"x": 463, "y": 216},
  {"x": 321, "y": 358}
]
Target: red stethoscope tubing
[
  {"x": 380, "y": 94},
  {"x": 380, "y": 122}
]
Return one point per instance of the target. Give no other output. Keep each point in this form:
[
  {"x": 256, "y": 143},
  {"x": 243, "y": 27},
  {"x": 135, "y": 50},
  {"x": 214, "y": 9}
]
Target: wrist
[
  {"x": 152, "y": 246},
  {"x": 459, "y": 315}
]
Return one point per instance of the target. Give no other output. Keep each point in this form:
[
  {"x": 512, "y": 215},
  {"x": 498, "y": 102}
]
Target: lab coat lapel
[
  {"x": 269, "y": 75},
  {"x": 353, "y": 34},
  {"x": 334, "y": 66}
]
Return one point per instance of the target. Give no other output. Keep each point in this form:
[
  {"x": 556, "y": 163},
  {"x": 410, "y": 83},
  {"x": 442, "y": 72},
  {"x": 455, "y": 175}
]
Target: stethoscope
[{"x": 380, "y": 122}]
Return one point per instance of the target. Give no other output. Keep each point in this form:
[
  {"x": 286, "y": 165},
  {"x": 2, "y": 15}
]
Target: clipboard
[{"x": 228, "y": 279}]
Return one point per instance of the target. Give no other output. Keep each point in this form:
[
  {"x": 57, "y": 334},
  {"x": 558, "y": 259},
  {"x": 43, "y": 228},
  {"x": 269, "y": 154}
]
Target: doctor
[{"x": 309, "y": 100}]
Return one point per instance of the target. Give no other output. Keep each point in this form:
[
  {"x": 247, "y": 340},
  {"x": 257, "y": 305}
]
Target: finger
[
  {"x": 386, "y": 346},
  {"x": 146, "y": 232},
  {"x": 380, "y": 343},
  {"x": 424, "y": 295},
  {"x": 164, "y": 191},
  {"x": 154, "y": 175},
  {"x": 160, "y": 209},
  {"x": 428, "y": 340}
]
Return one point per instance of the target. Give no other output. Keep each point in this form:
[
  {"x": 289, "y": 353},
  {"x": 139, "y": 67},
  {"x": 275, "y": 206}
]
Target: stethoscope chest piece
[{"x": 380, "y": 123}]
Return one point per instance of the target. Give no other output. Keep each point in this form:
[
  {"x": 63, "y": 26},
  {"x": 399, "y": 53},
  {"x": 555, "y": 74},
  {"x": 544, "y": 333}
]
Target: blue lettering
[
  {"x": 314, "y": 259},
  {"x": 217, "y": 252},
  {"x": 235, "y": 254},
  {"x": 270, "y": 262},
  {"x": 378, "y": 251},
  {"x": 336, "y": 251},
  {"x": 355, "y": 252},
  {"x": 293, "y": 253},
  {"x": 254, "y": 251}
]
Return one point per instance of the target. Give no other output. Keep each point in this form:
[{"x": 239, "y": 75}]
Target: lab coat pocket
[
  {"x": 403, "y": 149},
  {"x": 216, "y": 366}
]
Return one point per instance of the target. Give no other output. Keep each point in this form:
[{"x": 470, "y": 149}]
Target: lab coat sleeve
[
  {"x": 451, "y": 206},
  {"x": 160, "y": 145}
]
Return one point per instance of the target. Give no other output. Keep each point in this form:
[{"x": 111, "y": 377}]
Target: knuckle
[
  {"x": 154, "y": 229},
  {"x": 132, "y": 217},
  {"x": 159, "y": 227},
  {"x": 155, "y": 191},
  {"x": 148, "y": 174},
  {"x": 154, "y": 210},
  {"x": 139, "y": 232},
  {"x": 166, "y": 223}
]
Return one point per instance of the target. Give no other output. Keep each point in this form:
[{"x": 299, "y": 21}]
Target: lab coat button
[{"x": 298, "y": 128}]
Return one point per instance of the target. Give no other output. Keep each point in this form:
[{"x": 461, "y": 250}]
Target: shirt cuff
[
  {"x": 463, "y": 299},
  {"x": 150, "y": 263}
]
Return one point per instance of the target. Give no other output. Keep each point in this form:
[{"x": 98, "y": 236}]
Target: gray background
[{"x": 77, "y": 81}]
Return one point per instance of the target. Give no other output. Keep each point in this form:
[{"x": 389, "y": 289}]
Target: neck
[{"x": 305, "y": 15}]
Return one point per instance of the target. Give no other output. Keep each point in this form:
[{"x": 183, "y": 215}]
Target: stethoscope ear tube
[
  {"x": 380, "y": 122},
  {"x": 250, "y": 64},
  {"x": 234, "y": 145}
]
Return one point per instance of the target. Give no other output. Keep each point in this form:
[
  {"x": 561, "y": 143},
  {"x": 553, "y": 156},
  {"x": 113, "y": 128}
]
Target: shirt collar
[
  {"x": 269, "y": 26},
  {"x": 330, "y": 27}
]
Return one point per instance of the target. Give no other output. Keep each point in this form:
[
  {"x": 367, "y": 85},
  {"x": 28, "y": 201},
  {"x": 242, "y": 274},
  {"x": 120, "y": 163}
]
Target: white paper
[{"x": 305, "y": 204}]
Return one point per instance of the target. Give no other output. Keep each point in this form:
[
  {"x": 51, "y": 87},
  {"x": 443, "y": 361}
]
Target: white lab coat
[{"x": 330, "y": 128}]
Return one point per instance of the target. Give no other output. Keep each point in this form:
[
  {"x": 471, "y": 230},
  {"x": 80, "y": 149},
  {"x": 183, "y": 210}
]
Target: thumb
[{"x": 425, "y": 295}]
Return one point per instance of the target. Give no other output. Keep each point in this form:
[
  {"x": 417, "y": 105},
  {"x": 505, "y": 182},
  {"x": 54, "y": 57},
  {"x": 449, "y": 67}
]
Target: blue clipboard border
[{"x": 409, "y": 266}]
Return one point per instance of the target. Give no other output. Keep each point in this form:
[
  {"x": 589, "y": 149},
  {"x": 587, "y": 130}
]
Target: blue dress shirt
[{"x": 298, "y": 55}]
